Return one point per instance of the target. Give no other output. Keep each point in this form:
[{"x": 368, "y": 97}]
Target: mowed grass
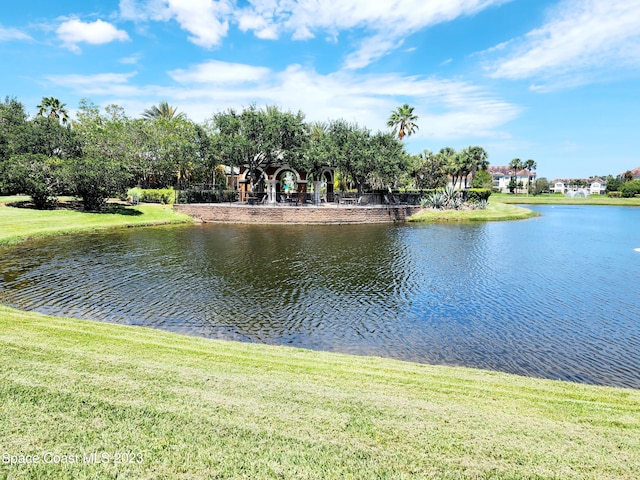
[
  {"x": 495, "y": 211},
  {"x": 18, "y": 224},
  {"x": 549, "y": 199},
  {"x": 179, "y": 407}
]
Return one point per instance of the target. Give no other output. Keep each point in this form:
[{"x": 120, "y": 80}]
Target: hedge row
[
  {"x": 206, "y": 196},
  {"x": 166, "y": 196}
]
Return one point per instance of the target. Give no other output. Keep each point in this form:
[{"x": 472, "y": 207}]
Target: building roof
[
  {"x": 588, "y": 180},
  {"x": 635, "y": 172},
  {"x": 507, "y": 171}
]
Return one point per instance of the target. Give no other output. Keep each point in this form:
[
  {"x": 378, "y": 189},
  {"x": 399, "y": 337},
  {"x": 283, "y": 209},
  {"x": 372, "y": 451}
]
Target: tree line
[{"x": 101, "y": 153}]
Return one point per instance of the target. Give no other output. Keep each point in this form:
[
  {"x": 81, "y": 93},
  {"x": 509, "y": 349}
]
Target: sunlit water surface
[{"x": 556, "y": 296}]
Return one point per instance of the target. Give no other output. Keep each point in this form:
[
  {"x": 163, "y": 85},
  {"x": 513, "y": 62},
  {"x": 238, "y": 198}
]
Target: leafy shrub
[
  {"x": 476, "y": 195},
  {"x": 193, "y": 195},
  {"x": 630, "y": 189},
  {"x": 614, "y": 194},
  {"x": 166, "y": 196},
  {"x": 95, "y": 180},
  {"x": 435, "y": 200},
  {"x": 36, "y": 175}
]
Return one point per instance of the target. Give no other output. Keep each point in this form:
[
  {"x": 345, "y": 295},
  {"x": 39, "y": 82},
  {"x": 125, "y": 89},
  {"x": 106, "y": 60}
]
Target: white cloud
[
  {"x": 384, "y": 23},
  {"x": 99, "y": 32},
  {"x": 581, "y": 39},
  {"x": 205, "y": 20},
  {"x": 371, "y": 49},
  {"x": 448, "y": 110},
  {"x": 131, "y": 59},
  {"x": 9, "y": 34},
  {"x": 108, "y": 84},
  {"x": 215, "y": 72}
]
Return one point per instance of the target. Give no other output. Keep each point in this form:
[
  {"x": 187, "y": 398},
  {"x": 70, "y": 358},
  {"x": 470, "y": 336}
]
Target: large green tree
[
  {"x": 256, "y": 138},
  {"x": 375, "y": 161},
  {"x": 529, "y": 166},
  {"x": 94, "y": 180},
  {"x": 350, "y": 145},
  {"x": 453, "y": 165},
  {"x": 36, "y": 175},
  {"x": 403, "y": 121},
  {"x": 389, "y": 161},
  {"x": 478, "y": 159},
  {"x": 515, "y": 166},
  {"x": 428, "y": 171}
]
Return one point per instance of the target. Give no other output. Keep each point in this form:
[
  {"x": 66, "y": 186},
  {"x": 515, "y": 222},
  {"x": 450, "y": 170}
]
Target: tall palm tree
[
  {"x": 529, "y": 165},
  {"x": 162, "y": 111},
  {"x": 402, "y": 120},
  {"x": 51, "y": 107},
  {"x": 515, "y": 165}
]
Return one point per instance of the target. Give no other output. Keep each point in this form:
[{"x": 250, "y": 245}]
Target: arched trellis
[
  {"x": 287, "y": 168},
  {"x": 244, "y": 184},
  {"x": 270, "y": 174}
]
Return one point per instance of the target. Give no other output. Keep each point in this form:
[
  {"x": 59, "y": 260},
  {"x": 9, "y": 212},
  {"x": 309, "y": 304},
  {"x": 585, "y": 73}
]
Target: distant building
[
  {"x": 502, "y": 175},
  {"x": 595, "y": 185},
  {"x": 635, "y": 173}
]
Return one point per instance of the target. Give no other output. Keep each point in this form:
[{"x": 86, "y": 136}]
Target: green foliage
[
  {"x": 435, "y": 200},
  {"x": 482, "y": 204},
  {"x": 482, "y": 179},
  {"x": 36, "y": 175},
  {"x": 428, "y": 171},
  {"x": 630, "y": 189},
  {"x": 162, "y": 111},
  {"x": 541, "y": 185},
  {"x": 95, "y": 180},
  {"x": 403, "y": 121},
  {"x": 12, "y": 120},
  {"x": 614, "y": 184},
  {"x": 376, "y": 161},
  {"x": 52, "y": 107},
  {"x": 165, "y": 196},
  {"x": 258, "y": 138},
  {"x": 193, "y": 195},
  {"x": 614, "y": 194},
  {"x": 476, "y": 195}
]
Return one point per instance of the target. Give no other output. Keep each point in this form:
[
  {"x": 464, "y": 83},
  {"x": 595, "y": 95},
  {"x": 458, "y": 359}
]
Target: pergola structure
[{"x": 269, "y": 186}]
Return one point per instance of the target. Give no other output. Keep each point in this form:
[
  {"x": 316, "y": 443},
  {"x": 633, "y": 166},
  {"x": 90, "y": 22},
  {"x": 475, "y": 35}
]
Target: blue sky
[{"x": 557, "y": 81}]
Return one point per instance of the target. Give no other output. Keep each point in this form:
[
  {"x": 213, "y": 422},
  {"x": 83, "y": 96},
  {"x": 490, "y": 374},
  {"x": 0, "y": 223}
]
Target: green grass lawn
[
  {"x": 495, "y": 211},
  {"x": 18, "y": 224},
  {"x": 549, "y": 199},
  {"x": 192, "y": 408}
]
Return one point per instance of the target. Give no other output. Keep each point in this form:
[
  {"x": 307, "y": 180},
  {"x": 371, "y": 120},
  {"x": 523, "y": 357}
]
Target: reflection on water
[{"x": 555, "y": 296}]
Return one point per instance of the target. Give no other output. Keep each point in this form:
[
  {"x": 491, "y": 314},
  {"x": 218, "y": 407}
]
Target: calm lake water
[{"x": 556, "y": 296}]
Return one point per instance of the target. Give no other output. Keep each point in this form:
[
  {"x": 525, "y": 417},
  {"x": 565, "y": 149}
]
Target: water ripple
[{"x": 554, "y": 297}]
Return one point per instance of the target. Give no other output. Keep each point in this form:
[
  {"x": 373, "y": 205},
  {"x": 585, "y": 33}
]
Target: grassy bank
[
  {"x": 187, "y": 407},
  {"x": 562, "y": 200},
  {"x": 495, "y": 211},
  {"x": 17, "y": 224}
]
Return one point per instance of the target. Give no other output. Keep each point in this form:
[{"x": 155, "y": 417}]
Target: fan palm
[
  {"x": 402, "y": 120},
  {"x": 162, "y": 111},
  {"x": 51, "y": 107}
]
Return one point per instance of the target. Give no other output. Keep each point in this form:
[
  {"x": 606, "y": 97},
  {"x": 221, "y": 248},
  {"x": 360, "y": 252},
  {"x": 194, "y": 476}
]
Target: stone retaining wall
[{"x": 239, "y": 213}]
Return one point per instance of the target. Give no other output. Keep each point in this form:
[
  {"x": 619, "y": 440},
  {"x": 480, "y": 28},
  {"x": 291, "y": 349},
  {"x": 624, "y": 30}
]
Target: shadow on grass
[{"x": 114, "y": 209}]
